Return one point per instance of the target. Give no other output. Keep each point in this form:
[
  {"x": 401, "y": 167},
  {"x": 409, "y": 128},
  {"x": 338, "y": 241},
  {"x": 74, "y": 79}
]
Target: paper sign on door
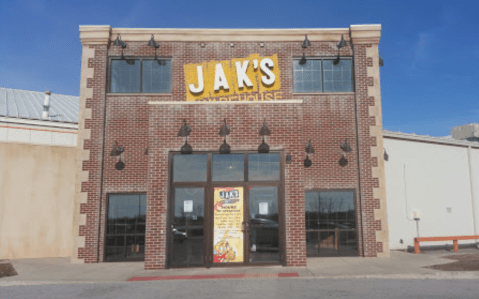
[
  {"x": 188, "y": 206},
  {"x": 263, "y": 208}
]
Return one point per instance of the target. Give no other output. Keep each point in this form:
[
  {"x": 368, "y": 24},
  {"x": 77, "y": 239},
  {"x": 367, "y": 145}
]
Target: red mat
[{"x": 214, "y": 276}]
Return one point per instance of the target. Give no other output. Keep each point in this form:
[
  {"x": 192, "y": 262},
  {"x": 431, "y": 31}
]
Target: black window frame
[
  {"x": 106, "y": 234},
  {"x": 356, "y": 228},
  {"x": 322, "y": 58},
  {"x": 141, "y": 58},
  {"x": 209, "y": 186}
]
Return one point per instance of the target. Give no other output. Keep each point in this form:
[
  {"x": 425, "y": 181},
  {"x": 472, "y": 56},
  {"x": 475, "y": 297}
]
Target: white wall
[
  {"x": 429, "y": 178},
  {"x": 37, "y": 187}
]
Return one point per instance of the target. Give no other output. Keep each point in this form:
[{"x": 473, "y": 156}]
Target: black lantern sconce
[
  {"x": 306, "y": 43},
  {"x": 341, "y": 44},
  {"x": 346, "y": 147},
  {"x": 386, "y": 156},
  {"x": 309, "y": 151},
  {"x": 224, "y": 131},
  {"x": 289, "y": 159},
  {"x": 185, "y": 131},
  {"x": 119, "y": 42},
  {"x": 115, "y": 152},
  {"x": 263, "y": 148},
  {"x": 343, "y": 161},
  {"x": 146, "y": 151},
  {"x": 152, "y": 43}
]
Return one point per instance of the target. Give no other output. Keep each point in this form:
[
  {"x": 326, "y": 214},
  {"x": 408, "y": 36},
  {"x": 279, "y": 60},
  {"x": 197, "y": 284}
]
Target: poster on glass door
[{"x": 228, "y": 221}]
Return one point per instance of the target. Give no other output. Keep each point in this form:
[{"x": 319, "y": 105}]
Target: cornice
[
  {"x": 101, "y": 35},
  {"x": 365, "y": 34},
  {"x": 229, "y": 35},
  {"x": 95, "y": 35}
]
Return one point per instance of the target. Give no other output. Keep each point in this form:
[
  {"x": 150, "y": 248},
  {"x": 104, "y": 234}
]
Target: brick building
[{"x": 146, "y": 94}]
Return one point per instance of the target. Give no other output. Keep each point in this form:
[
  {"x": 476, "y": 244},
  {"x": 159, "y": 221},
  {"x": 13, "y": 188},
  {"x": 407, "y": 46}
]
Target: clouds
[{"x": 422, "y": 48}]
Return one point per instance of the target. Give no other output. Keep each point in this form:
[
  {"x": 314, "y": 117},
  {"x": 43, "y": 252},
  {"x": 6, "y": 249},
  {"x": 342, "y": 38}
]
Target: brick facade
[{"x": 138, "y": 122}]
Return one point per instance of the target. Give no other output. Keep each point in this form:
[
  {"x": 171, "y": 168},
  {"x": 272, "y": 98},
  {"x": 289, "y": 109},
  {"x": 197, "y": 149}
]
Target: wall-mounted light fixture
[
  {"x": 342, "y": 43},
  {"x": 304, "y": 45},
  {"x": 381, "y": 61},
  {"x": 115, "y": 152},
  {"x": 289, "y": 159},
  {"x": 386, "y": 156},
  {"x": 309, "y": 151},
  {"x": 345, "y": 146},
  {"x": 185, "y": 131},
  {"x": 343, "y": 161},
  {"x": 306, "y": 42},
  {"x": 152, "y": 43},
  {"x": 119, "y": 42},
  {"x": 146, "y": 151},
  {"x": 263, "y": 148},
  {"x": 225, "y": 131}
]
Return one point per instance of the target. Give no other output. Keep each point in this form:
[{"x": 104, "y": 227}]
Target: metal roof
[{"x": 27, "y": 104}]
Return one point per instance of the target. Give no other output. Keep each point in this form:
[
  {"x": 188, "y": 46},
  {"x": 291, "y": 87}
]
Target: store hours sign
[{"x": 254, "y": 78}]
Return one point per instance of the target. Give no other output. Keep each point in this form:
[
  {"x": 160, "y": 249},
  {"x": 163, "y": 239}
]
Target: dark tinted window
[
  {"x": 330, "y": 223},
  {"x": 322, "y": 75},
  {"x": 263, "y": 167},
  {"x": 156, "y": 76},
  {"x": 125, "y": 232},
  {"x": 125, "y": 76},
  {"x": 337, "y": 77},
  {"x": 189, "y": 168},
  {"x": 140, "y": 76},
  {"x": 228, "y": 167},
  {"x": 307, "y": 77}
]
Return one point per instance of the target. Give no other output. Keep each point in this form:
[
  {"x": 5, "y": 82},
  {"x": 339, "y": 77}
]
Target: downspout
[
  {"x": 103, "y": 155},
  {"x": 357, "y": 142},
  {"x": 471, "y": 183}
]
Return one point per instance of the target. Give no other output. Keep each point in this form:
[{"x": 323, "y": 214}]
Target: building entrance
[{"x": 226, "y": 210}]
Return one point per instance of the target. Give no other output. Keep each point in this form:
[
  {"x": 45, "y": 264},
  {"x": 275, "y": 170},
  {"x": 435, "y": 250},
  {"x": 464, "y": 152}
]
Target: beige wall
[{"x": 37, "y": 186}]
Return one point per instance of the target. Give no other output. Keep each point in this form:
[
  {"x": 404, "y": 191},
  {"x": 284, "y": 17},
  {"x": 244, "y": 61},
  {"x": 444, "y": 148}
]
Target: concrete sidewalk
[{"x": 400, "y": 265}]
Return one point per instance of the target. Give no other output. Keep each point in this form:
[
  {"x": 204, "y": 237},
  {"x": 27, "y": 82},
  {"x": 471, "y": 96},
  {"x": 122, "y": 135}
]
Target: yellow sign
[
  {"x": 228, "y": 221},
  {"x": 243, "y": 79}
]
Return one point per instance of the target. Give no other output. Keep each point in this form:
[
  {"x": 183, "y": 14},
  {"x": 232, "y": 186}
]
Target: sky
[{"x": 429, "y": 81}]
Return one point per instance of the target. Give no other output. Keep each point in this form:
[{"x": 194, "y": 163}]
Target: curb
[{"x": 438, "y": 276}]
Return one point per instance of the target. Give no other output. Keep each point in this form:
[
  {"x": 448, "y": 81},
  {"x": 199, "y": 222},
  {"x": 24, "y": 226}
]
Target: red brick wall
[
  {"x": 245, "y": 120},
  {"x": 328, "y": 119},
  {"x": 91, "y": 208}
]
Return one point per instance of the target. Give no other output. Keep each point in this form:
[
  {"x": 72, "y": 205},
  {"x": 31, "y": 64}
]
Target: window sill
[
  {"x": 324, "y": 93},
  {"x": 138, "y": 94}
]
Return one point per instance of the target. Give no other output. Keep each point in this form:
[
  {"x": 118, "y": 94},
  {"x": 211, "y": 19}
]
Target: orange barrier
[{"x": 454, "y": 240}]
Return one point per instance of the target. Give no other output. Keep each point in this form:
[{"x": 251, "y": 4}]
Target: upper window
[
  {"x": 140, "y": 76},
  {"x": 322, "y": 75}
]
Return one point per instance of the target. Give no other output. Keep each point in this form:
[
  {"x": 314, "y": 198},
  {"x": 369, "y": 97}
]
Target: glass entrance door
[
  {"x": 263, "y": 225},
  {"x": 225, "y": 209},
  {"x": 187, "y": 227}
]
